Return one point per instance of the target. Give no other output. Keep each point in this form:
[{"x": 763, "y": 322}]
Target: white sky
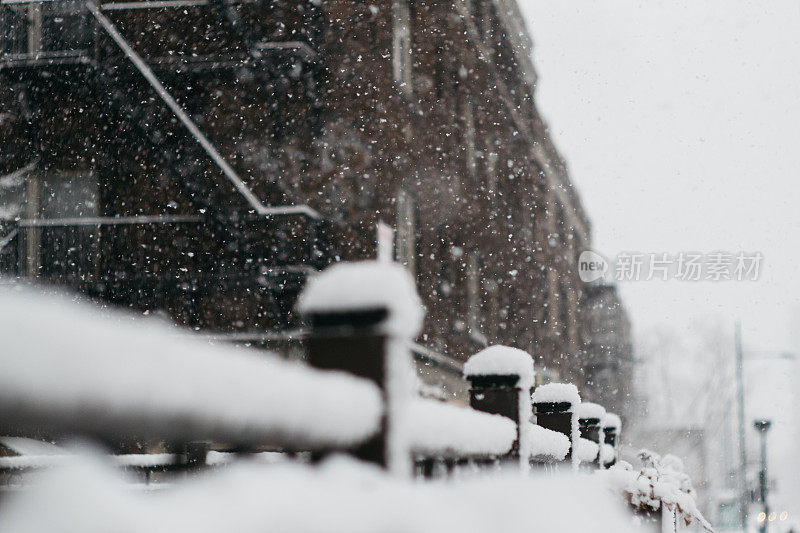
[{"x": 680, "y": 122}]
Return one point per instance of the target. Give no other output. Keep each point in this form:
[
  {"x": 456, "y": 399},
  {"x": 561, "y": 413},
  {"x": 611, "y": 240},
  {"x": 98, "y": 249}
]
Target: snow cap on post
[
  {"x": 611, "y": 421},
  {"x": 366, "y": 286},
  {"x": 502, "y": 361},
  {"x": 591, "y": 412},
  {"x": 557, "y": 393}
]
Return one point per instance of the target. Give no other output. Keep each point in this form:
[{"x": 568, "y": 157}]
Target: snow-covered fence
[
  {"x": 611, "y": 425},
  {"x": 554, "y": 405},
  {"x": 68, "y": 369},
  {"x": 118, "y": 379},
  {"x": 448, "y": 435},
  {"x": 109, "y": 377},
  {"x": 501, "y": 380},
  {"x": 362, "y": 317},
  {"x": 500, "y": 383},
  {"x": 590, "y": 416},
  {"x": 106, "y": 376}
]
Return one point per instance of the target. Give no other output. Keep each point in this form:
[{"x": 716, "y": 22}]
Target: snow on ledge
[
  {"x": 502, "y": 361},
  {"x": 543, "y": 442},
  {"x": 439, "y": 428},
  {"x": 557, "y": 393},
  {"x": 69, "y": 366},
  {"x": 366, "y": 285},
  {"x": 132, "y": 460},
  {"x": 215, "y": 458},
  {"x": 586, "y": 410}
]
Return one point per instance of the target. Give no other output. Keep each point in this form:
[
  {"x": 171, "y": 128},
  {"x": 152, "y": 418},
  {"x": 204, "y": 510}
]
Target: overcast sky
[{"x": 680, "y": 122}]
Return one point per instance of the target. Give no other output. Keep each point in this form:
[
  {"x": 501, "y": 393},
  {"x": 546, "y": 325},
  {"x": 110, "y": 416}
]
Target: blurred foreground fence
[{"x": 163, "y": 401}]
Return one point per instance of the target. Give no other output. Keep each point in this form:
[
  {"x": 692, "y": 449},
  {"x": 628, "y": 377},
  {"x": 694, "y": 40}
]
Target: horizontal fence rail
[{"x": 103, "y": 376}]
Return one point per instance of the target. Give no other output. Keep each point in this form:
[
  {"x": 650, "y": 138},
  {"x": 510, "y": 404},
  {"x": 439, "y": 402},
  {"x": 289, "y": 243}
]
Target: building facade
[
  {"x": 201, "y": 158},
  {"x": 609, "y": 363}
]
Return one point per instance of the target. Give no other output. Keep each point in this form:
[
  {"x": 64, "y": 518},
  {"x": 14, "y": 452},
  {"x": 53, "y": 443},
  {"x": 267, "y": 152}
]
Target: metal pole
[
  {"x": 762, "y": 426},
  {"x": 742, "y": 452},
  {"x": 762, "y": 481}
]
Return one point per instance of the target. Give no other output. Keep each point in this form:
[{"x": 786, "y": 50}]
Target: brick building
[
  {"x": 609, "y": 361},
  {"x": 202, "y": 157}
]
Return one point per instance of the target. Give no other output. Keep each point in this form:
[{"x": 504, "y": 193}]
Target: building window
[
  {"x": 64, "y": 26},
  {"x": 401, "y": 53},
  {"x": 48, "y": 26},
  {"x": 406, "y": 230},
  {"x": 61, "y": 251},
  {"x": 13, "y": 28}
]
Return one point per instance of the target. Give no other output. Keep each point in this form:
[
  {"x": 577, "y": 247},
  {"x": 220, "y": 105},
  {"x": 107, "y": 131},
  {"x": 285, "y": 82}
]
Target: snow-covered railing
[
  {"x": 108, "y": 376},
  {"x": 554, "y": 407},
  {"x": 363, "y": 316},
  {"x": 144, "y": 462},
  {"x": 590, "y": 416},
  {"x": 441, "y": 430},
  {"x": 610, "y": 427},
  {"x": 500, "y": 379},
  {"x": 68, "y": 369},
  {"x": 546, "y": 445},
  {"x": 104, "y": 375}
]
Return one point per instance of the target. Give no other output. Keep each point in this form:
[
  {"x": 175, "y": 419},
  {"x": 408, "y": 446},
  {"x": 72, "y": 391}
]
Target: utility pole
[
  {"x": 742, "y": 455},
  {"x": 762, "y": 426}
]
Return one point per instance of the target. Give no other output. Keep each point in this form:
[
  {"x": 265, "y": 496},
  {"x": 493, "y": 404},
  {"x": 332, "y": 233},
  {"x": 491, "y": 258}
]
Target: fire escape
[{"x": 266, "y": 250}]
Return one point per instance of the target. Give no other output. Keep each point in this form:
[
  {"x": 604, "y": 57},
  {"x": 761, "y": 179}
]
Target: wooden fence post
[
  {"x": 589, "y": 417},
  {"x": 362, "y": 317},
  {"x": 500, "y": 383},
  {"x": 610, "y": 426},
  {"x": 554, "y": 406}
]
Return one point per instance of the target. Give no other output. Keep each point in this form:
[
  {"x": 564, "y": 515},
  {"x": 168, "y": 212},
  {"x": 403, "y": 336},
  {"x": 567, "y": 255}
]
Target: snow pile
[
  {"x": 24, "y": 462},
  {"x": 557, "y": 393},
  {"x": 438, "y": 428},
  {"x": 26, "y": 446},
  {"x": 545, "y": 443},
  {"x": 610, "y": 420},
  {"x": 136, "y": 460},
  {"x": 589, "y": 410},
  {"x": 367, "y": 285},
  {"x": 607, "y": 454},
  {"x": 215, "y": 458},
  {"x": 143, "y": 460},
  {"x": 69, "y": 367},
  {"x": 502, "y": 361},
  {"x": 585, "y": 450},
  {"x": 132, "y": 460},
  {"x": 660, "y": 482},
  {"x": 339, "y": 496}
]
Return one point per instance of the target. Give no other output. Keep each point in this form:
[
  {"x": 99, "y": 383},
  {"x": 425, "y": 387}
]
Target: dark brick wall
[{"x": 339, "y": 134}]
